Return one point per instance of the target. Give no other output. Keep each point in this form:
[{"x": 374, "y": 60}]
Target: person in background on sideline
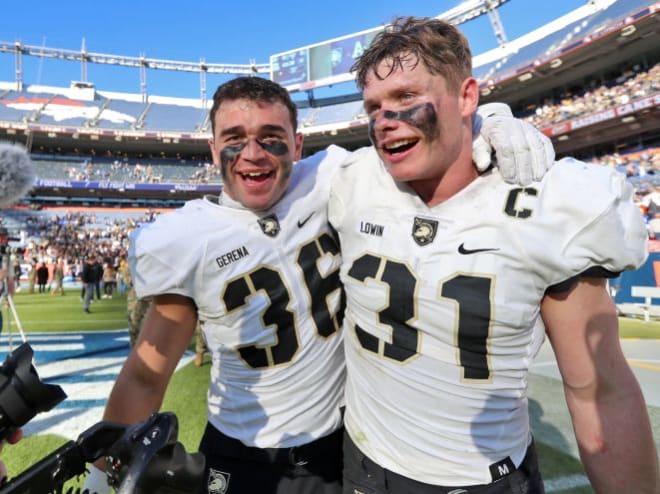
[
  {"x": 32, "y": 276},
  {"x": 109, "y": 279},
  {"x": 88, "y": 279},
  {"x": 97, "y": 277},
  {"x": 136, "y": 310},
  {"x": 42, "y": 277},
  {"x": 18, "y": 271},
  {"x": 200, "y": 346},
  {"x": 58, "y": 278},
  {"x": 122, "y": 274}
]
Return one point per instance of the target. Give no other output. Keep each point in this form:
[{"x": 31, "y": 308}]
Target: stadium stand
[
  {"x": 173, "y": 117},
  {"x": 118, "y": 114},
  {"x": 579, "y": 30},
  {"x": 628, "y": 87}
]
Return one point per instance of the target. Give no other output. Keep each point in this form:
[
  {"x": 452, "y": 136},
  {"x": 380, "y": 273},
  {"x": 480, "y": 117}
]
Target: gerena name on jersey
[{"x": 232, "y": 256}]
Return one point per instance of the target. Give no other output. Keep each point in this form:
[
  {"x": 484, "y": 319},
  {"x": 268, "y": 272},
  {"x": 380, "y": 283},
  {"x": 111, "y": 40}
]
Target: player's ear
[
  {"x": 469, "y": 96},
  {"x": 214, "y": 152},
  {"x": 299, "y": 138}
]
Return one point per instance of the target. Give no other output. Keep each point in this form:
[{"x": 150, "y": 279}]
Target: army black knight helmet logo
[
  {"x": 269, "y": 225},
  {"x": 424, "y": 230}
]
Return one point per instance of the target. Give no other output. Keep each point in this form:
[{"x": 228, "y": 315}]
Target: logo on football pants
[{"x": 218, "y": 481}]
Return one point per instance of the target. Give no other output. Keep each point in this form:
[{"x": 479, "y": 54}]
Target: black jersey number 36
[
  {"x": 471, "y": 293},
  {"x": 278, "y": 314}
]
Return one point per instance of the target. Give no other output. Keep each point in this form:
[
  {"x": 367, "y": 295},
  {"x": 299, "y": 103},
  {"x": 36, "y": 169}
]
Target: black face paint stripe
[
  {"x": 423, "y": 117},
  {"x": 230, "y": 154},
  {"x": 278, "y": 148}
]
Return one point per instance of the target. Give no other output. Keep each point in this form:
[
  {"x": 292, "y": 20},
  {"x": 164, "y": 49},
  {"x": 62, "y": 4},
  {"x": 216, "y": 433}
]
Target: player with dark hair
[
  {"x": 452, "y": 280},
  {"x": 258, "y": 268}
]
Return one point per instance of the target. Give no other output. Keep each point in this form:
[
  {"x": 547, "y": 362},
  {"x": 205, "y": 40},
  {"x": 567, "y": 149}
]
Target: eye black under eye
[{"x": 274, "y": 146}]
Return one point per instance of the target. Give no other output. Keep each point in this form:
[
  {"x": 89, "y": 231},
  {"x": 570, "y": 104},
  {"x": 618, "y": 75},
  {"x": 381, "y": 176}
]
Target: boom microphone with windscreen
[{"x": 17, "y": 173}]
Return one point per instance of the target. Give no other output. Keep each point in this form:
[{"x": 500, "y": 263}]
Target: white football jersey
[
  {"x": 266, "y": 286},
  {"x": 442, "y": 306}
]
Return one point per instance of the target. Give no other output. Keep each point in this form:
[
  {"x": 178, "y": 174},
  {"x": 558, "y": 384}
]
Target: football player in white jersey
[
  {"x": 453, "y": 279},
  {"x": 259, "y": 267}
]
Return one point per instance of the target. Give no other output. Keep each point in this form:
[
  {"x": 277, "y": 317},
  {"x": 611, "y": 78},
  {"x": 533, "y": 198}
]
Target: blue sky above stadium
[{"x": 217, "y": 32}]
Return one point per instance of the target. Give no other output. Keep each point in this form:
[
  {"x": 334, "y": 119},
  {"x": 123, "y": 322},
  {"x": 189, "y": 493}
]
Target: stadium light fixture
[
  {"x": 557, "y": 62},
  {"x": 525, "y": 77},
  {"x": 628, "y": 30}
]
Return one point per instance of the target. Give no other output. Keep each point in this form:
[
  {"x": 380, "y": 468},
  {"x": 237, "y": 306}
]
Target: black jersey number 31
[{"x": 471, "y": 293}]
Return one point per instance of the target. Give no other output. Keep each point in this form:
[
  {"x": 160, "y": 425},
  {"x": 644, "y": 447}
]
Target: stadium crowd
[
  {"x": 68, "y": 239},
  {"x": 150, "y": 171},
  {"x": 639, "y": 166},
  {"x": 629, "y": 86}
]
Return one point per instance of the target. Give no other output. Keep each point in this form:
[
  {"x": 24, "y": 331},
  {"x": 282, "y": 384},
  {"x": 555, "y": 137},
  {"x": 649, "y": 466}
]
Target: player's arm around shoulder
[
  {"x": 607, "y": 407},
  {"x": 141, "y": 384}
]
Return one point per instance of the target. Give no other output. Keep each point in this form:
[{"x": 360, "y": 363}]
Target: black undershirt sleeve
[{"x": 593, "y": 272}]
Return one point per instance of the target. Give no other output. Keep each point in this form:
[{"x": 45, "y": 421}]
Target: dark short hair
[
  {"x": 441, "y": 47},
  {"x": 254, "y": 89}
]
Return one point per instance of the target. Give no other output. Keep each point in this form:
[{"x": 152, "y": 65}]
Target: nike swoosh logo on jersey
[
  {"x": 464, "y": 251},
  {"x": 302, "y": 223}
]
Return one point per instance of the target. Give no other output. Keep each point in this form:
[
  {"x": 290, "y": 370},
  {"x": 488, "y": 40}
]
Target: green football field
[{"x": 187, "y": 391}]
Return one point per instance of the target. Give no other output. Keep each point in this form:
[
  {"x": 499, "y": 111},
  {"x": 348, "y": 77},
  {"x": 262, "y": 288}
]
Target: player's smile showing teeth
[
  {"x": 399, "y": 146},
  {"x": 257, "y": 176}
]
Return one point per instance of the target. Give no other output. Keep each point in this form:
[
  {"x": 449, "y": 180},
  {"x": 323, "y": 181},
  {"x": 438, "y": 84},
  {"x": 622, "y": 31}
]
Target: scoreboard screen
[
  {"x": 320, "y": 64},
  {"x": 290, "y": 68}
]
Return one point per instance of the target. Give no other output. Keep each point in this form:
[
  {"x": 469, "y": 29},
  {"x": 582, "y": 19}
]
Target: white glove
[
  {"x": 96, "y": 482},
  {"x": 522, "y": 153}
]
